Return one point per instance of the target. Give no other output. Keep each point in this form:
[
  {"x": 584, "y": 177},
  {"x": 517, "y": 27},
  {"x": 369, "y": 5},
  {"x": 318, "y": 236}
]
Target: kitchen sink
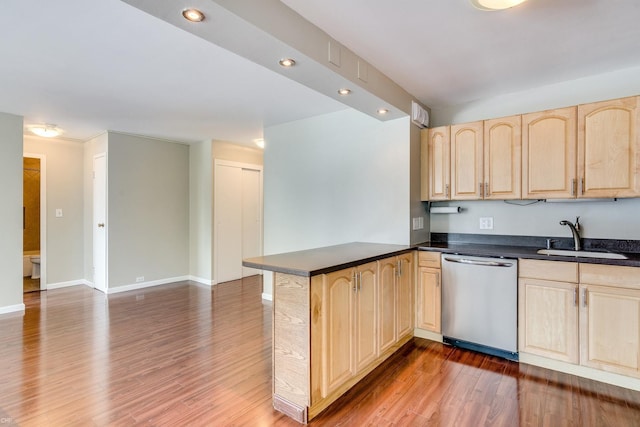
[{"x": 584, "y": 254}]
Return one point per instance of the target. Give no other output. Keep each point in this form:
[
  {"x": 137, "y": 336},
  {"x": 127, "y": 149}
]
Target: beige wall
[
  {"x": 11, "y": 213},
  {"x": 148, "y": 210},
  {"x": 200, "y": 211},
  {"x": 63, "y": 176}
]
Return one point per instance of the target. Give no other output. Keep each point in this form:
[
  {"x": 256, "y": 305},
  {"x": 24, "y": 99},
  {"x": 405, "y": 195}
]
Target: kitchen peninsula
[{"x": 338, "y": 312}]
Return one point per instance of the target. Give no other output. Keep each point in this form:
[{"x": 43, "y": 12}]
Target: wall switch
[
  {"x": 486, "y": 223},
  {"x": 139, "y": 279},
  {"x": 58, "y": 213},
  {"x": 418, "y": 223}
]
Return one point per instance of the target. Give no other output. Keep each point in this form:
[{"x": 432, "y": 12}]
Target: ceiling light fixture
[
  {"x": 495, "y": 4},
  {"x": 344, "y": 91},
  {"x": 46, "y": 130},
  {"x": 382, "y": 111},
  {"x": 193, "y": 15},
  {"x": 259, "y": 142},
  {"x": 287, "y": 62}
]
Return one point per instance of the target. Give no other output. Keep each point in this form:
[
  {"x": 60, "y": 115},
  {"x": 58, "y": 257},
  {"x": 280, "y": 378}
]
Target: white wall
[
  {"x": 64, "y": 190},
  {"x": 148, "y": 210},
  {"x": 200, "y": 211},
  {"x": 619, "y": 220},
  {"x": 11, "y": 213},
  {"x": 333, "y": 179}
]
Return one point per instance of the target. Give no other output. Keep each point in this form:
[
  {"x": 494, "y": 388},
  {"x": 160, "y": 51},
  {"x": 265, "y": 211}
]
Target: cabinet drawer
[
  {"x": 429, "y": 259},
  {"x": 557, "y": 271},
  {"x": 610, "y": 275}
]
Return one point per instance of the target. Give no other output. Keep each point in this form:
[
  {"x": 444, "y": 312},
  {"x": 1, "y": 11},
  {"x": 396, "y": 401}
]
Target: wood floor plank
[{"x": 188, "y": 355}]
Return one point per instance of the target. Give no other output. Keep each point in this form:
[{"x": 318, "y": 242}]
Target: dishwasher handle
[{"x": 476, "y": 262}]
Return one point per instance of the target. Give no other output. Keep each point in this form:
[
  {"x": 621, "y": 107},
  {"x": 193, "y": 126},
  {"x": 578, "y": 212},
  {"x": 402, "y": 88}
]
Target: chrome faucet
[{"x": 575, "y": 228}]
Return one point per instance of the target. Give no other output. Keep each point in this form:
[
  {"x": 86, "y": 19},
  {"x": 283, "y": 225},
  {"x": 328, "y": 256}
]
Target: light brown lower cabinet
[
  {"x": 429, "y": 292},
  {"x": 331, "y": 330},
  {"x": 586, "y": 314}
]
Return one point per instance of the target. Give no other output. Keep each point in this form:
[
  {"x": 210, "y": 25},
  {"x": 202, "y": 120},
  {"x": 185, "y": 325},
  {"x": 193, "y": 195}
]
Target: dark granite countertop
[
  {"x": 325, "y": 260},
  {"x": 527, "y": 247}
]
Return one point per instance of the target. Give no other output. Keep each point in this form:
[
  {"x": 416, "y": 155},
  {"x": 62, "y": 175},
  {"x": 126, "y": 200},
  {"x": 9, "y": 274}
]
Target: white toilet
[{"x": 35, "y": 261}]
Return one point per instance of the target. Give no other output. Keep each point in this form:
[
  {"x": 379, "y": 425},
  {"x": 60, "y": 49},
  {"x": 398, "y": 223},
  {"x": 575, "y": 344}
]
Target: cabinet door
[
  {"x": 424, "y": 165},
  {"x": 387, "y": 304},
  {"x": 548, "y": 319},
  {"x": 549, "y": 154},
  {"x": 338, "y": 345},
  {"x": 610, "y": 329},
  {"x": 466, "y": 161},
  {"x": 429, "y": 295},
  {"x": 439, "y": 163},
  {"x": 404, "y": 295},
  {"x": 365, "y": 316},
  {"x": 608, "y": 147},
  {"x": 502, "y": 158}
]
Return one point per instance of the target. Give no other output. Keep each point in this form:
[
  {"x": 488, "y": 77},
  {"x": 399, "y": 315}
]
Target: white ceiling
[{"x": 95, "y": 65}]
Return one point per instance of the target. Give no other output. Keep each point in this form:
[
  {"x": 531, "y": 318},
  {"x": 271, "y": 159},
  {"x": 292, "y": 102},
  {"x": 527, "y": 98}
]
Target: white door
[
  {"x": 238, "y": 218},
  {"x": 251, "y": 217},
  {"x": 228, "y": 218},
  {"x": 99, "y": 222}
]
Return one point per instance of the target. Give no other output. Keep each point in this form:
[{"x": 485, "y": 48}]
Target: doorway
[
  {"x": 34, "y": 223},
  {"x": 99, "y": 223},
  {"x": 237, "y": 218}
]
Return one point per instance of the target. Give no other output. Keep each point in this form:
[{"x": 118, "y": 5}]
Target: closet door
[
  {"x": 237, "y": 219},
  {"x": 251, "y": 217},
  {"x": 228, "y": 220}
]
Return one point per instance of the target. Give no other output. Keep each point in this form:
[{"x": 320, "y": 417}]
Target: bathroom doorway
[{"x": 33, "y": 223}]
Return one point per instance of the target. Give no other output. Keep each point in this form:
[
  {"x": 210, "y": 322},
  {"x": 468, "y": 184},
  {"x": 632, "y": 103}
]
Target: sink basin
[{"x": 584, "y": 254}]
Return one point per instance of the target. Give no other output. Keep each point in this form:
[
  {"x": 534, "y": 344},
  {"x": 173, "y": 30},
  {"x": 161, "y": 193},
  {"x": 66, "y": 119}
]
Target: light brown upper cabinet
[
  {"x": 502, "y": 158},
  {"x": 549, "y": 154},
  {"x": 439, "y": 163},
  {"x": 466, "y": 161},
  {"x": 608, "y": 148}
]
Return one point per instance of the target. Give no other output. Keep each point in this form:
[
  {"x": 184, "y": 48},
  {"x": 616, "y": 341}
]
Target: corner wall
[
  {"x": 148, "y": 210},
  {"x": 201, "y": 212},
  {"x": 336, "y": 178},
  {"x": 64, "y": 190},
  {"x": 11, "y": 213}
]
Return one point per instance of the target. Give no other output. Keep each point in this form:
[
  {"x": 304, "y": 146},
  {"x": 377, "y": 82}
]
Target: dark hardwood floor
[{"x": 187, "y": 355}]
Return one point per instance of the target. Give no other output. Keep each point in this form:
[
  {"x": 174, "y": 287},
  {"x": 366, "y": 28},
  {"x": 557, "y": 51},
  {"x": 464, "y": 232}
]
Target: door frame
[
  {"x": 228, "y": 163},
  {"x": 106, "y": 221},
  {"x": 43, "y": 216}
]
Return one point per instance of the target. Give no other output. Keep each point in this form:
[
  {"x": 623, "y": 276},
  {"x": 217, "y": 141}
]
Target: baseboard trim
[
  {"x": 12, "y": 308},
  {"x": 267, "y": 297},
  {"x": 581, "y": 371},
  {"x": 427, "y": 335},
  {"x": 142, "y": 285},
  {"x": 59, "y": 285},
  {"x": 202, "y": 280}
]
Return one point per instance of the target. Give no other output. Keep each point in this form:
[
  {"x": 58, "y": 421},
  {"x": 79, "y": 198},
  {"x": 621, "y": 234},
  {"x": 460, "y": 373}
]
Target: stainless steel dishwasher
[{"x": 480, "y": 304}]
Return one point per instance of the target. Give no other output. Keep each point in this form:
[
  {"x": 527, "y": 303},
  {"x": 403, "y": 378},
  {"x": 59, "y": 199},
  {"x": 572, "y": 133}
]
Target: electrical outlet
[
  {"x": 418, "y": 223},
  {"x": 139, "y": 279},
  {"x": 486, "y": 223},
  {"x": 58, "y": 213}
]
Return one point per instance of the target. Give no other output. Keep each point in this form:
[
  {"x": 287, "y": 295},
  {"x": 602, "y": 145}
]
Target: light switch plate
[
  {"x": 486, "y": 223},
  {"x": 58, "y": 213}
]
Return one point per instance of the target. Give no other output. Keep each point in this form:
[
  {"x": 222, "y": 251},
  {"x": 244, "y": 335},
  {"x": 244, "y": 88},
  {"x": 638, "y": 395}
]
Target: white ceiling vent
[{"x": 419, "y": 116}]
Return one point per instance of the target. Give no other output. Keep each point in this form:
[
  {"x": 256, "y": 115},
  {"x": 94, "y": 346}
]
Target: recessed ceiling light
[
  {"x": 344, "y": 91},
  {"x": 495, "y": 4},
  {"x": 287, "y": 62},
  {"x": 193, "y": 15},
  {"x": 259, "y": 142},
  {"x": 46, "y": 130},
  {"x": 382, "y": 111}
]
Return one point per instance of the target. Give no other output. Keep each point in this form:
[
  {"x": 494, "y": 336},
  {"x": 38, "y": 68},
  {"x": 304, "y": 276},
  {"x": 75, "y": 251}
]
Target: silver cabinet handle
[
  {"x": 355, "y": 282},
  {"x": 484, "y": 263},
  {"x": 582, "y": 186},
  {"x": 481, "y": 190},
  {"x": 486, "y": 189},
  {"x": 446, "y": 191},
  {"x": 360, "y": 281},
  {"x": 573, "y": 187},
  {"x": 575, "y": 297},
  {"x": 584, "y": 297}
]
